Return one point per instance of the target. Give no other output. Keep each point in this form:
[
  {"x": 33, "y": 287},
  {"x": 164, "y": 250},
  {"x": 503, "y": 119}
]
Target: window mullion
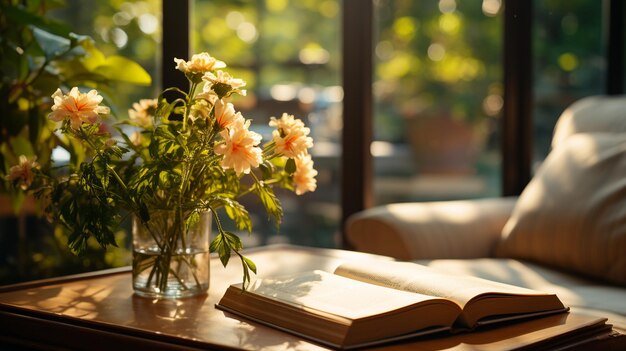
[
  {"x": 614, "y": 36},
  {"x": 175, "y": 41},
  {"x": 356, "y": 160},
  {"x": 517, "y": 137}
]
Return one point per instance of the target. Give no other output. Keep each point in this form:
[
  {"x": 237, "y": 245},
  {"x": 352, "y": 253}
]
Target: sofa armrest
[{"x": 428, "y": 230}]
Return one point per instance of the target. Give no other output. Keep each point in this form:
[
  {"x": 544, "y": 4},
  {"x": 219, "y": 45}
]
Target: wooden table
[{"x": 98, "y": 311}]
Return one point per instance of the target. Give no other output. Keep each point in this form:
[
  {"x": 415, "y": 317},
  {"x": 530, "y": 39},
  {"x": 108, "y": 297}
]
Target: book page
[
  {"x": 337, "y": 295},
  {"x": 420, "y": 279}
]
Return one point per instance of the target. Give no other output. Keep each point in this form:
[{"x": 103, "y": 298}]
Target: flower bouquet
[{"x": 172, "y": 166}]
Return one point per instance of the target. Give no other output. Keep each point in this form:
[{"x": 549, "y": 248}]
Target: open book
[{"x": 362, "y": 304}]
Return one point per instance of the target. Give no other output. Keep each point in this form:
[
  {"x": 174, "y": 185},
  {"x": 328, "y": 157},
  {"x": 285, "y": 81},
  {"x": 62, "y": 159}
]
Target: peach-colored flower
[
  {"x": 23, "y": 172},
  {"x": 304, "y": 177},
  {"x": 240, "y": 147},
  {"x": 286, "y": 123},
  {"x": 143, "y": 112},
  {"x": 291, "y": 136},
  {"x": 225, "y": 114},
  {"x": 222, "y": 78},
  {"x": 199, "y": 63},
  {"x": 78, "y": 107}
]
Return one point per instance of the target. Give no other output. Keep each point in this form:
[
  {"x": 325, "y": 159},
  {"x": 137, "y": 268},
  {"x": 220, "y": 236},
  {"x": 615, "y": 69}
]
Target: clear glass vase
[{"x": 171, "y": 254}]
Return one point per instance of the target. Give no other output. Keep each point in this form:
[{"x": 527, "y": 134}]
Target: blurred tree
[
  {"x": 435, "y": 57},
  {"x": 569, "y": 61}
]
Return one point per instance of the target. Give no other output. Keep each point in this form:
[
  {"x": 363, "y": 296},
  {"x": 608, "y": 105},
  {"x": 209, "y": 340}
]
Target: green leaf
[
  {"x": 233, "y": 241},
  {"x": 51, "y": 44},
  {"x": 94, "y": 57},
  {"x": 164, "y": 178},
  {"x": 235, "y": 211},
  {"x": 270, "y": 201},
  {"x": 21, "y": 146},
  {"x": 121, "y": 69},
  {"x": 249, "y": 263},
  {"x": 290, "y": 166},
  {"x": 222, "y": 248},
  {"x": 163, "y": 110},
  {"x": 192, "y": 220},
  {"x": 246, "y": 274},
  {"x": 216, "y": 243}
]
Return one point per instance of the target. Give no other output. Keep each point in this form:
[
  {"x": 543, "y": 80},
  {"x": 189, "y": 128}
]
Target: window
[
  {"x": 413, "y": 70},
  {"x": 516, "y": 135},
  {"x": 438, "y": 100}
]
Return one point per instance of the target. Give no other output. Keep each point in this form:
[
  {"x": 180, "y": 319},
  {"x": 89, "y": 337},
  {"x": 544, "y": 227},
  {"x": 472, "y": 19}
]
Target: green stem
[
  {"x": 257, "y": 181},
  {"x": 192, "y": 89},
  {"x": 192, "y": 270},
  {"x": 220, "y": 230},
  {"x": 180, "y": 281},
  {"x": 168, "y": 251},
  {"x": 246, "y": 267},
  {"x": 245, "y": 192}
]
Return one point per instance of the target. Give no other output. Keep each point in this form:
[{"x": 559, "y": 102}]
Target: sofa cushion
[
  {"x": 572, "y": 215},
  {"x": 592, "y": 114}
]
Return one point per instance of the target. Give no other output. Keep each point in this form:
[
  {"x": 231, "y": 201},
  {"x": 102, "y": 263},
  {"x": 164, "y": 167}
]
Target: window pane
[
  {"x": 438, "y": 92},
  {"x": 288, "y": 53},
  {"x": 569, "y": 61}
]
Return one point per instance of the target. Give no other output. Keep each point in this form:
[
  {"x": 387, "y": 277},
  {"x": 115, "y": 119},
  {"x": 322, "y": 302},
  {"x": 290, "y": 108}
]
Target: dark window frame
[{"x": 357, "y": 40}]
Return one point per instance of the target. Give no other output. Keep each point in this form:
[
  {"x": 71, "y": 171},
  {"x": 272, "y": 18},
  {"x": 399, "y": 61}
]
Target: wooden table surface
[{"x": 98, "y": 311}]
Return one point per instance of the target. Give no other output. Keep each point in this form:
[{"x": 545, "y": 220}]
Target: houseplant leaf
[
  {"x": 51, "y": 44},
  {"x": 124, "y": 70}
]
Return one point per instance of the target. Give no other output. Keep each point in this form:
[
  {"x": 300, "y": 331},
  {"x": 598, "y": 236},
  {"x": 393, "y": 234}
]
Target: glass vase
[{"x": 171, "y": 254}]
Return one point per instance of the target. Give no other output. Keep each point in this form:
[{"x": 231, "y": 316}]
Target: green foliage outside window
[{"x": 38, "y": 55}]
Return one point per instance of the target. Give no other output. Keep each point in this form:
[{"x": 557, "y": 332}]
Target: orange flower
[
  {"x": 304, "y": 177},
  {"x": 143, "y": 112},
  {"x": 224, "y": 79},
  {"x": 78, "y": 107},
  {"x": 199, "y": 63},
  {"x": 225, "y": 114},
  {"x": 240, "y": 147},
  {"x": 291, "y": 136},
  {"x": 23, "y": 172}
]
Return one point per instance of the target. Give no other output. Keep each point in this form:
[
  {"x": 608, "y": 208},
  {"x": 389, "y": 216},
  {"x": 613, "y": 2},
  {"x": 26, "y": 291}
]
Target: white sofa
[{"x": 566, "y": 232}]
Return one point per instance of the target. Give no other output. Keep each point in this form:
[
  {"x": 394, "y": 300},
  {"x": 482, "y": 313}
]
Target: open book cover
[{"x": 361, "y": 304}]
